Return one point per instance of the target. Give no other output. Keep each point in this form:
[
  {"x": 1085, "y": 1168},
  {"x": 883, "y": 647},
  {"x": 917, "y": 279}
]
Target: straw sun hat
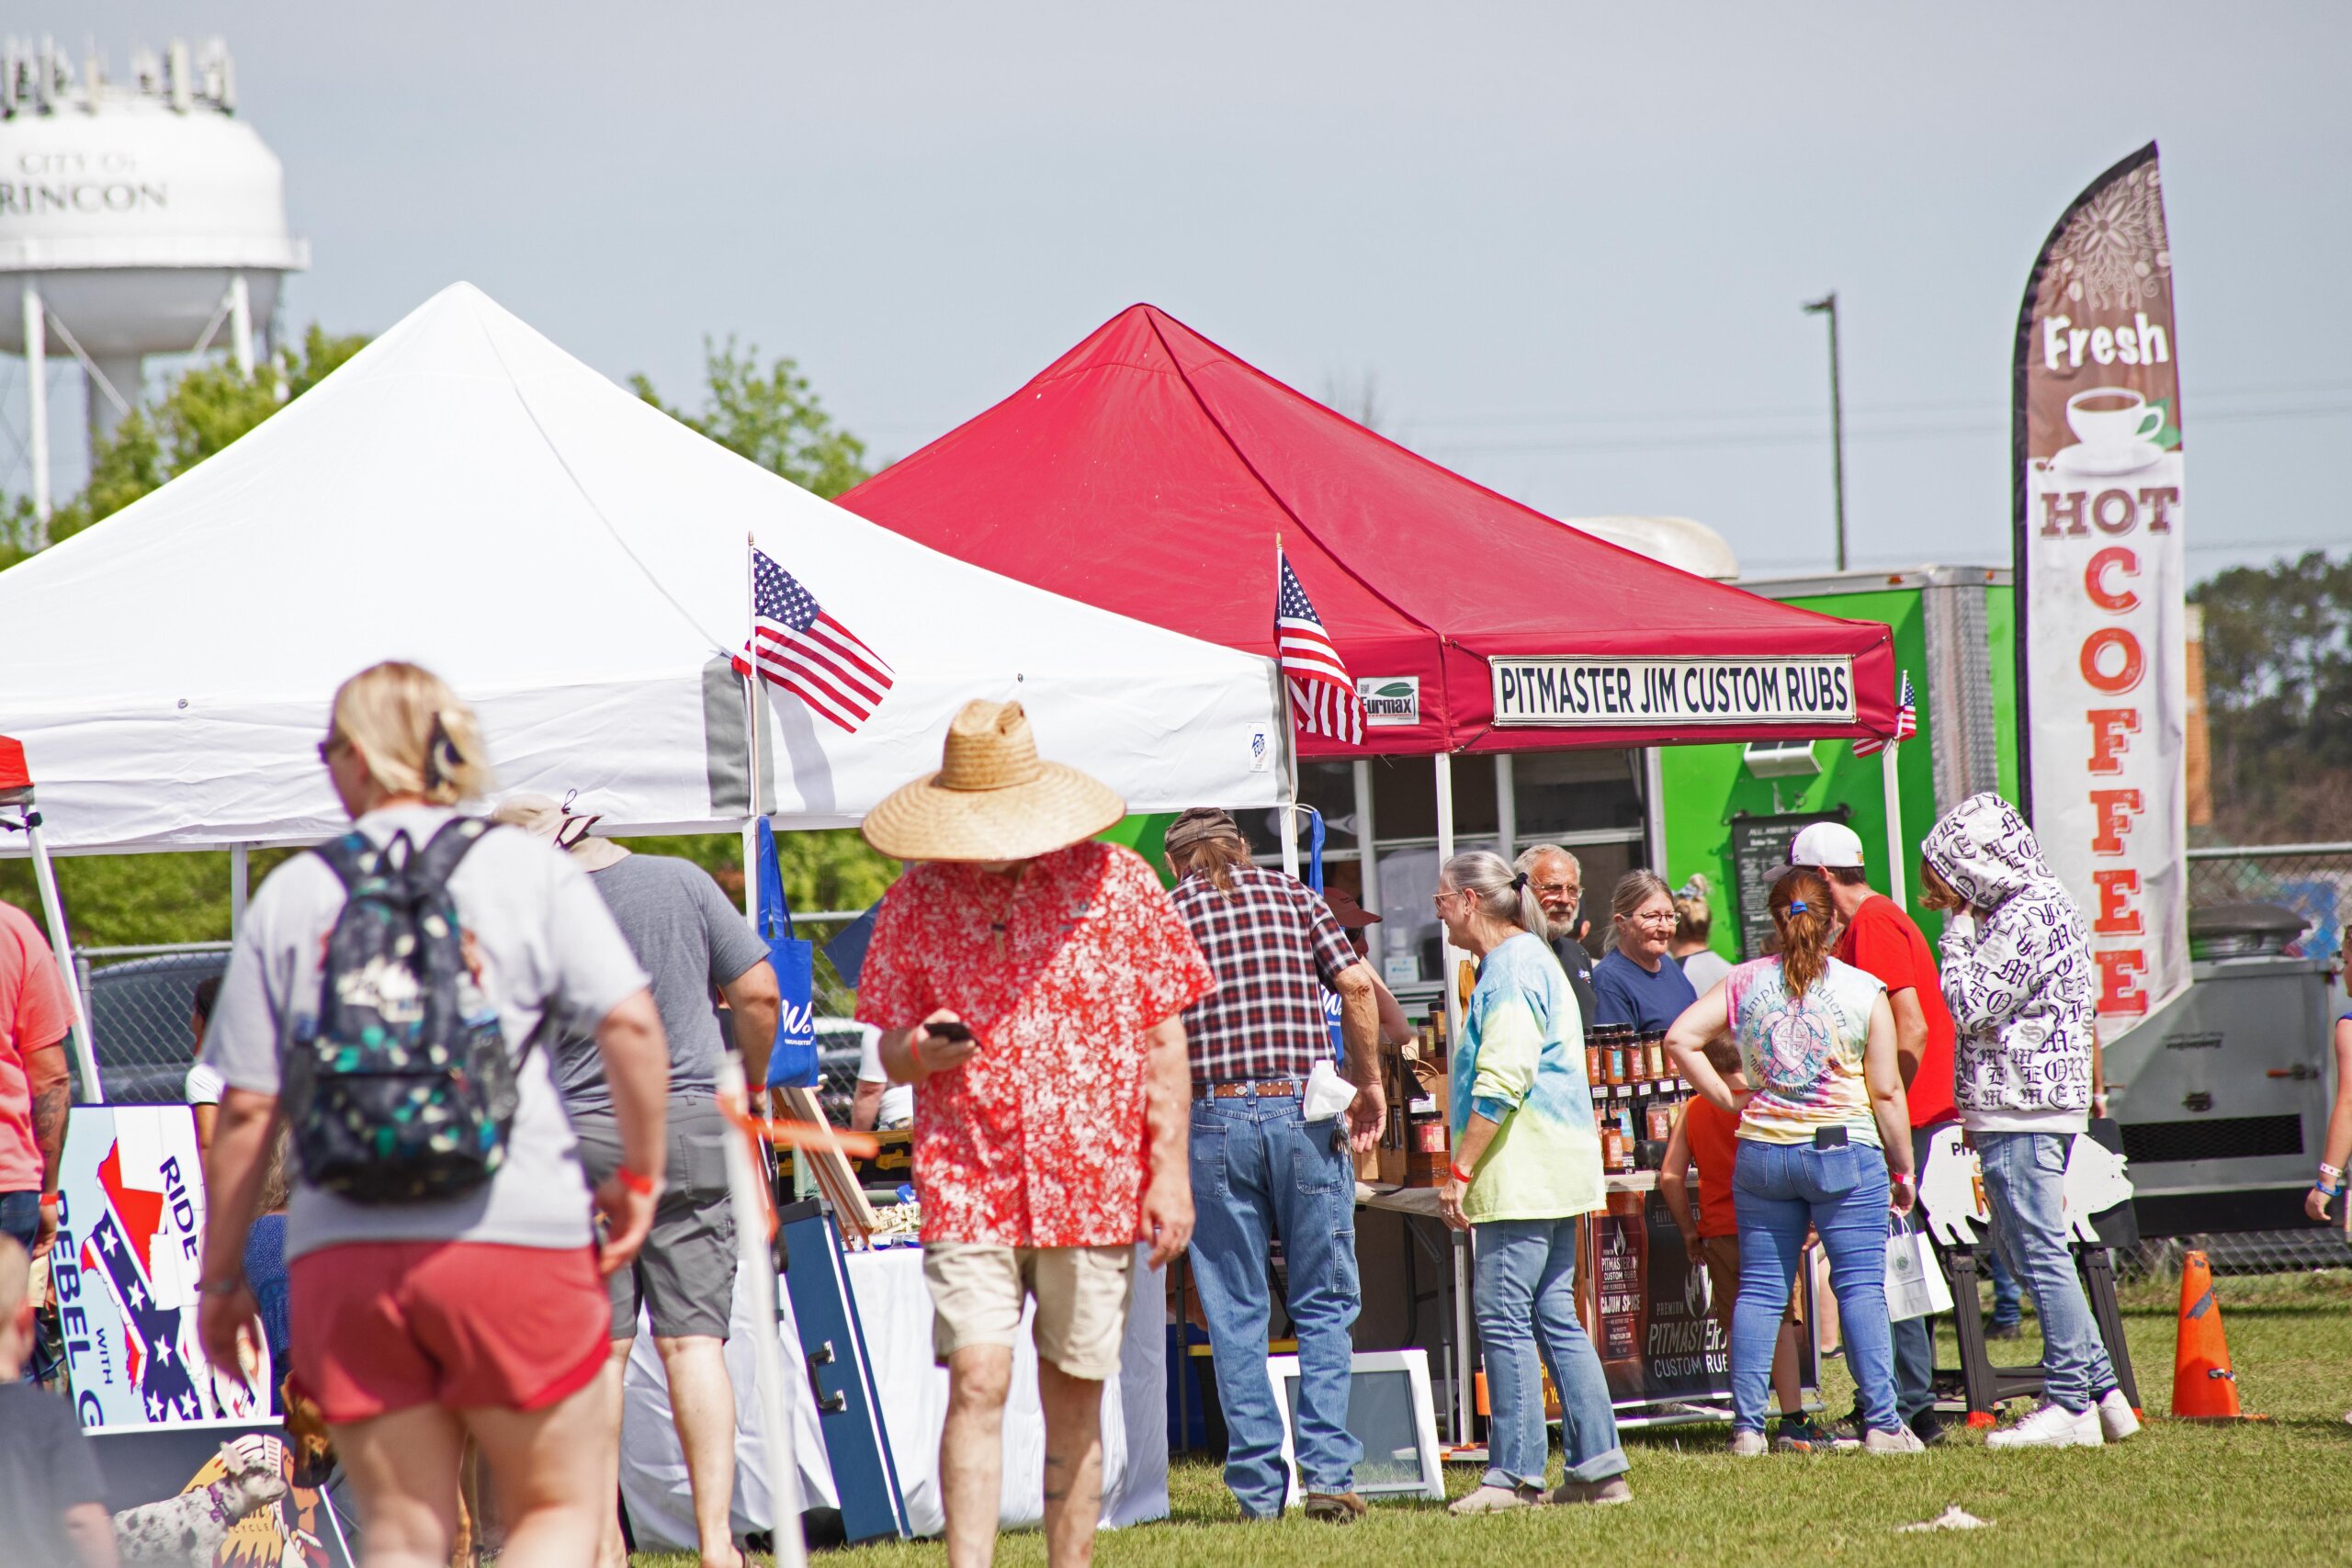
[{"x": 993, "y": 799}]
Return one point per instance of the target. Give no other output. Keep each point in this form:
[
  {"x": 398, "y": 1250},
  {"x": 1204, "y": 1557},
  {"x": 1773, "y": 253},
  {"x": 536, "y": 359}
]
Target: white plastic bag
[
  {"x": 1915, "y": 1286},
  {"x": 1328, "y": 1094}
]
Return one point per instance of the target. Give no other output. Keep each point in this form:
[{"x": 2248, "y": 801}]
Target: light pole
[{"x": 1828, "y": 305}]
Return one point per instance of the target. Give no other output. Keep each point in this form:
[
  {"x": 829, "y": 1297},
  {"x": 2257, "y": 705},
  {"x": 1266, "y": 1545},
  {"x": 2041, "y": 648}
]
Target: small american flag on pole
[
  {"x": 1907, "y": 723},
  {"x": 800, "y": 647},
  {"x": 1322, "y": 695}
]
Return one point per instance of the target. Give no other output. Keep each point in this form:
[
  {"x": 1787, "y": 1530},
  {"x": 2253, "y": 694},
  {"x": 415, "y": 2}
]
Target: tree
[
  {"x": 207, "y": 408},
  {"x": 2278, "y": 697},
  {"x": 776, "y": 420}
]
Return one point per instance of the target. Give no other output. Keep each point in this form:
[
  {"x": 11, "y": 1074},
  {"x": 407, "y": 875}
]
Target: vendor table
[{"x": 1639, "y": 1298}]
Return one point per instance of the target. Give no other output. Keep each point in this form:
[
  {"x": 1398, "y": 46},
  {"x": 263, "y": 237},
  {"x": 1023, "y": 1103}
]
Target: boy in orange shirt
[{"x": 1708, "y": 1138}]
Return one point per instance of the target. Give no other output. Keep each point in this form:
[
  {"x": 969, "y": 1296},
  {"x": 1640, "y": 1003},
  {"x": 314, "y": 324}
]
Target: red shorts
[{"x": 380, "y": 1326}]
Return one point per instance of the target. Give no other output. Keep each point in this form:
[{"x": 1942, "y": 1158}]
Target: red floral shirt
[{"x": 1038, "y": 1140}]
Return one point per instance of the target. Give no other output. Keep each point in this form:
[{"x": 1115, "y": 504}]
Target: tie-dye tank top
[{"x": 1803, "y": 1055}]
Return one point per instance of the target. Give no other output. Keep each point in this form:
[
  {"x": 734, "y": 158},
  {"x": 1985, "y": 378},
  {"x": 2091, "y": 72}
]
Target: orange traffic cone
[{"x": 2203, "y": 1386}]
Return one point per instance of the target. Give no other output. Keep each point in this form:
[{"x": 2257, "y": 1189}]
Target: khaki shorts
[{"x": 1082, "y": 1293}]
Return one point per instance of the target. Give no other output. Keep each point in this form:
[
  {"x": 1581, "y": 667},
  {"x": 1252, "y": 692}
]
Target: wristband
[
  {"x": 1460, "y": 1175},
  {"x": 228, "y": 1286},
  {"x": 2325, "y": 1191},
  {"x": 640, "y": 1185},
  {"x": 2326, "y": 1172},
  {"x": 914, "y": 1051},
  {"x": 50, "y": 1200}
]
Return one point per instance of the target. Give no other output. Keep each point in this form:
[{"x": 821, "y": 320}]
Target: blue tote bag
[{"x": 792, "y": 1064}]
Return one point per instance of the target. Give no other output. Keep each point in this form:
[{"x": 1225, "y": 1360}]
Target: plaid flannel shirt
[{"x": 1273, "y": 945}]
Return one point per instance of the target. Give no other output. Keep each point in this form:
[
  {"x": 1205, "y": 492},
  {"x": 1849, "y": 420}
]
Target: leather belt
[{"x": 1270, "y": 1088}]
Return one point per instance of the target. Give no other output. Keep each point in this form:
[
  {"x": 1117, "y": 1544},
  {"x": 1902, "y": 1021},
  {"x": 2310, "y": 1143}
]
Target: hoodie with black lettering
[{"x": 2017, "y": 976}]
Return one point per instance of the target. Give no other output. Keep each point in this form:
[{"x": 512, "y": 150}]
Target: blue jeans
[
  {"x": 1777, "y": 1190},
  {"x": 2025, "y": 1174},
  {"x": 20, "y": 1216},
  {"x": 1258, "y": 1171},
  {"x": 2008, "y": 1296},
  {"x": 1525, "y": 1286}
]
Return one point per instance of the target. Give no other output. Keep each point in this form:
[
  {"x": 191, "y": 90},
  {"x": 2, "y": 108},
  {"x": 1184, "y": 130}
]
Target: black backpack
[{"x": 406, "y": 1092}]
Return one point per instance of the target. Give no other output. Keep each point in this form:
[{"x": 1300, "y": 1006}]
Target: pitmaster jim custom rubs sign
[{"x": 2099, "y": 518}]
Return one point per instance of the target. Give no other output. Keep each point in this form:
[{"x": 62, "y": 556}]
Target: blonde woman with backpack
[{"x": 446, "y": 1275}]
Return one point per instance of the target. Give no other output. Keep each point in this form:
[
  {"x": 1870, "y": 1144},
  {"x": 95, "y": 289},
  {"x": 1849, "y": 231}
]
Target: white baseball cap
[{"x": 1831, "y": 845}]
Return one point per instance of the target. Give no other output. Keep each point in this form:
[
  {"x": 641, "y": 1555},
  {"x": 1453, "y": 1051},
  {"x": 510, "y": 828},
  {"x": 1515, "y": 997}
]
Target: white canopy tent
[{"x": 465, "y": 494}]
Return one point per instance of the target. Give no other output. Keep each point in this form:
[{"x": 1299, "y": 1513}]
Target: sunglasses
[{"x": 330, "y": 746}]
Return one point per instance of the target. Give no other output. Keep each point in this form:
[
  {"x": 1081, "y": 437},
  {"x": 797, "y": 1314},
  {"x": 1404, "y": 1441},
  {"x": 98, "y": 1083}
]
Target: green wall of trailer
[{"x": 1705, "y": 788}]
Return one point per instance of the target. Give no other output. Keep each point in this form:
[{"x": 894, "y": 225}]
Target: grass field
[{"x": 2273, "y": 1494}]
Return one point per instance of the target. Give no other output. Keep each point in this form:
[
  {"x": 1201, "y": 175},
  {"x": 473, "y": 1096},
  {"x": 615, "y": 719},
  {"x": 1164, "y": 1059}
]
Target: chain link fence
[
  {"x": 2244, "y": 1252},
  {"x": 140, "y": 1002},
  {"x": 2313, "y": 880}
]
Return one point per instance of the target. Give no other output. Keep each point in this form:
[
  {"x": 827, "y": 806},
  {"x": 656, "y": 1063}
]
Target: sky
[{"x": 1562, "y": 246}]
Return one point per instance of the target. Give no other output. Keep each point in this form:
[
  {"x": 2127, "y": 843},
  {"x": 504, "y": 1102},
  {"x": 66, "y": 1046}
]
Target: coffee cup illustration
[{"x": 2110, "y": 421}]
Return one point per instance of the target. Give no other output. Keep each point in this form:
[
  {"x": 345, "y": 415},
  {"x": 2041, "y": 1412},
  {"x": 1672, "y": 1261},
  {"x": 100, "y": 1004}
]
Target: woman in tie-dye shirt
[
  {"x": 1526, "y": 1164},
  {"x": 1824, "y": 1140}
]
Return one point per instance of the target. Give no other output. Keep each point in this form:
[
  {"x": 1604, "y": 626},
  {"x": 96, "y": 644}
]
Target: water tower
[{"x": 136, "y": 218}]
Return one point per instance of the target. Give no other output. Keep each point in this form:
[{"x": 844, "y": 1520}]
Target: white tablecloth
[{"x": 894, "y": 1309}]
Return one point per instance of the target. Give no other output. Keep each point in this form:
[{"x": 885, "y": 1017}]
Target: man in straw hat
[
  {"x": 1030, "y": 983},
  {"x": 1262, "y": 1170},
  {"x": 691, "y": 941}
]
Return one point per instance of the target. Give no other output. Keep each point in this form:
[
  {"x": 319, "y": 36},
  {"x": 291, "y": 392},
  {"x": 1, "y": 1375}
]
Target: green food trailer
[{"x": 1728, "y": 811}]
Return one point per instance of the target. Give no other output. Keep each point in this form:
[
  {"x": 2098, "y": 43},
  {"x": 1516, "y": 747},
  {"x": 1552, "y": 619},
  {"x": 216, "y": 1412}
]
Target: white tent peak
[{"x": 465, "y": 494}]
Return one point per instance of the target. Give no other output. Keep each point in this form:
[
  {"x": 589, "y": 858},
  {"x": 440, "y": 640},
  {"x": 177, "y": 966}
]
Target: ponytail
[
  {"x": 1505, "y": 893},
  {"x": 1802, "y": 915}
]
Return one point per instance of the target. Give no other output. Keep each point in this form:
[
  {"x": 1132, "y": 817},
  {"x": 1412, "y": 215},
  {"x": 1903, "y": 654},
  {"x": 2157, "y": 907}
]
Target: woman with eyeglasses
[
  {"x": 1639, "y": 982},
  {"x": 1526, "y": 1168}
]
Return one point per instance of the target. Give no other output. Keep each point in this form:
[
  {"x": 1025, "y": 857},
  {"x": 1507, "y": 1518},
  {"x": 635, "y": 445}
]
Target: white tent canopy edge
[{"x": 464, "y": 494}]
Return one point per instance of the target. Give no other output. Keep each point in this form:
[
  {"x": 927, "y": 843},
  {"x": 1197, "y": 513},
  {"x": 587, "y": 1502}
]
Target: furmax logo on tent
[{"x": 1390, "y": 699}]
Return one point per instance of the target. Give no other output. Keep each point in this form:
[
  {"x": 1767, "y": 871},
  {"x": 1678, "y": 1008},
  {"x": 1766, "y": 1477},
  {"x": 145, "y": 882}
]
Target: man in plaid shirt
[{"x": 1260, "y": 1169}]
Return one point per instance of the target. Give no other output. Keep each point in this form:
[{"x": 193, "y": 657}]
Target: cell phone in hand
[{"x": 948, "y": 1029}]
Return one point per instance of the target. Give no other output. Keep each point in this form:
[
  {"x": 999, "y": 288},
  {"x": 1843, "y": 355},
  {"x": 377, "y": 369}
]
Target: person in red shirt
[
  {"x": 1030, "y": 983},
  {"x": 1881, "y": 940},
  {"x": 36, "y": 1085}
]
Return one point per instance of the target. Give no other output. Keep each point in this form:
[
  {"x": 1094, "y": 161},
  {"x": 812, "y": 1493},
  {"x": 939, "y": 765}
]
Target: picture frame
[{"x": 1392, "y": 1414}]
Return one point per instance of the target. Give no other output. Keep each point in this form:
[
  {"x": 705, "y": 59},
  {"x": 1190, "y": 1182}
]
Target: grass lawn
[{"x": 2272, "y": 1495}]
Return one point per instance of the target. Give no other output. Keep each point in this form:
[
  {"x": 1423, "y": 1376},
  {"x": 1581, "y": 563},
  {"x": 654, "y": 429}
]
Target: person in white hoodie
[{"x": 2017, "y": 977}]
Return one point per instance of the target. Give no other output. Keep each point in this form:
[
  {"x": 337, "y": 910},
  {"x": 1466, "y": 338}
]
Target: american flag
[
  {"x": 1322, "y": 697},
  {"x": 1906, "y": 724},
  {"x": 809, "y": 653}
]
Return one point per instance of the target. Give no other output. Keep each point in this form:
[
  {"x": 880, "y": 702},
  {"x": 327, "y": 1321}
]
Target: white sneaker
[
  {"x": 1901, "y": 1441},
  {"x": 1751, "y": 1445},
  {"x": 2115, "y": 1421},
  {"x": 2051, "y": 1426},
  {"x": 1485, "y": 1499}
]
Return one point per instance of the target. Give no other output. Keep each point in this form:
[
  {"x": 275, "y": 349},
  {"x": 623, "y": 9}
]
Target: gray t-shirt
[
  {"x": 546, "y": 944},
  {"x": 689, "y": 938}
]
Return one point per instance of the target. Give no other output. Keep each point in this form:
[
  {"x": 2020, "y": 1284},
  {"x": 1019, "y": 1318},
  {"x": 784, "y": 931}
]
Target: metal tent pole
[
  {"x": 1448, "y": 959},
  {"x": 752, "y": 1255},
  {"x": 1895, "y": 886},
  {"x": 52, "y": 910}
]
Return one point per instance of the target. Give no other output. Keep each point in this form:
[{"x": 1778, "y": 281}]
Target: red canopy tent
[{"x": 1149, "y": 471}]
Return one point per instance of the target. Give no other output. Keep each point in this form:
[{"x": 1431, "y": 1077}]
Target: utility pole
[{"x": 1828, "y": 305}]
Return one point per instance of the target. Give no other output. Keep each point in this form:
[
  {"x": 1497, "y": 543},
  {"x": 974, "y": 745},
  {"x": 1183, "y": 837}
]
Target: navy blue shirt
[{"x": 1624, "y": 992}]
